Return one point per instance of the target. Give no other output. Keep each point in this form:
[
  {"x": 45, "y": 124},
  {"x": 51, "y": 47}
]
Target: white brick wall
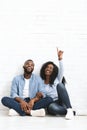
[{"x": 33, "y": 29}]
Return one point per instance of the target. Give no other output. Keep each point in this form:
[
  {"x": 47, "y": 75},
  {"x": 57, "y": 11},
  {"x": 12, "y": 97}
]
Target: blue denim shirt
[{"x": 35, "y": 85}]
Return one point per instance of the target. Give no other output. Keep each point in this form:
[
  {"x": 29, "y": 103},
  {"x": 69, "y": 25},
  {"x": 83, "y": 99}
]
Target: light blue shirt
[
  {"x": 35, "y": 85},
  {"x": 51, "y": 90}
]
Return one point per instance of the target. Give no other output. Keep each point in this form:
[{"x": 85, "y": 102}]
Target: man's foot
[
  {"x": 12, "y": 112},
  {"x": 69, "y": 114},
  {"x": 39, "y": 112}
]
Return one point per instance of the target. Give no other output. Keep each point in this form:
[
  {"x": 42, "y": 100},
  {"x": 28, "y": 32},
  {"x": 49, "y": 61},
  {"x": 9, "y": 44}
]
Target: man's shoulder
[
  {"x": 36, "y": 76},
  {"x": 18, "y": 77}
]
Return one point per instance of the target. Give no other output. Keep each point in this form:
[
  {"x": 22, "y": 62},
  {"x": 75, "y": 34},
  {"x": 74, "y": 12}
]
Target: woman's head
[{"x": 49, "y": 69}]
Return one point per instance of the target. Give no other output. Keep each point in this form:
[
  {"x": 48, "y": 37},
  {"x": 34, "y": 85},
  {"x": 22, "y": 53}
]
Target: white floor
[{"x": 38, "y": 123}]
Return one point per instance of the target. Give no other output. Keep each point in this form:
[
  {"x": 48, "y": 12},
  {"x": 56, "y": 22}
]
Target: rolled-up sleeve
[
  {"x": 41, "y": 87},
  {"x": 14, "y": 89}
]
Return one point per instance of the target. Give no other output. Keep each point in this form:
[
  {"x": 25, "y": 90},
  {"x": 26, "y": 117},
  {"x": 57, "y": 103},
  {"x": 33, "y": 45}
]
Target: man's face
[{"x": 28, "y": 67}]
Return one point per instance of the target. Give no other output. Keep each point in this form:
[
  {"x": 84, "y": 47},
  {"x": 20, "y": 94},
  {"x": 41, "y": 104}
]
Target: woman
[{"x": 54, "y": 84}]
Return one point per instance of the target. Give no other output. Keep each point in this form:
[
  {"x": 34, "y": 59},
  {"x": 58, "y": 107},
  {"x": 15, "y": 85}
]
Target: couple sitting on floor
[{"x": 33, "y": 95}]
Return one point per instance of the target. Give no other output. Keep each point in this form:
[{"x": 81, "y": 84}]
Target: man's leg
[
  {"x": 39, "y": 107},
  {"x": 12, "y": 104},
  {"x": 43, "y": 103}
]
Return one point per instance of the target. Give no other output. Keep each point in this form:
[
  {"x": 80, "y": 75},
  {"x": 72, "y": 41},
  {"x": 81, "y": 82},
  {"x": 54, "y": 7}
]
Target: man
[{"x": 27, "y": 94}]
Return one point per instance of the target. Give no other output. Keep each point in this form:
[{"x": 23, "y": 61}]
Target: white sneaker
[
  {"x": 12, "y": 112},
  {"x": 69, "y": 114},
  {"x": 40, "y": 112}
]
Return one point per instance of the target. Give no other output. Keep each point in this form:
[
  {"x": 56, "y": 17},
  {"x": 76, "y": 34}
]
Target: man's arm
[
  {"x": 14, "y": 94},
  {"x": 14, "y": 88},
  {"x": 23, "y": 104},
  {"x": 38, "y": 96}
]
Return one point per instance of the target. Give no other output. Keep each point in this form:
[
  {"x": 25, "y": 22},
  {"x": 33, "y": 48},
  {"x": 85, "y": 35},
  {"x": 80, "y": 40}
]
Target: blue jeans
[
  {"x": 60, "y": 106},
  {"x": 13, "y": 104}
]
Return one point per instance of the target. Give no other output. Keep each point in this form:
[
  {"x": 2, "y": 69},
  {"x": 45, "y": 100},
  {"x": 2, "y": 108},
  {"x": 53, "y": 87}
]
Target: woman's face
[{"x": 49, "y": 70}]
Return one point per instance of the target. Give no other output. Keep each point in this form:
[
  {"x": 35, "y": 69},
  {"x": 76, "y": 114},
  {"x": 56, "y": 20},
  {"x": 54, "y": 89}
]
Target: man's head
[{"x": 28, "y": 66}]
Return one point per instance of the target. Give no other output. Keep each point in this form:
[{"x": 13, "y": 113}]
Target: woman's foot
[{"x": 69, "y": 114}]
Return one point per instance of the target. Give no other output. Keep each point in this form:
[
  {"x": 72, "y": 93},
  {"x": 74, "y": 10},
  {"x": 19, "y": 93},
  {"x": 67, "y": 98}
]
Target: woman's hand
[
  {"x": 39, "y": 95},
  {"x": 60, "y": 54}
]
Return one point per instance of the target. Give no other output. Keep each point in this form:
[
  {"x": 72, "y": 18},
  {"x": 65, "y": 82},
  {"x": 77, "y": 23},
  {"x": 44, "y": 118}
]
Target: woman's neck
[{"x": 47, "y": 80}]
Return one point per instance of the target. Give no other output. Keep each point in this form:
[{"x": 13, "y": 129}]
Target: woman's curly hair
[{"x": 54, "y": 73}]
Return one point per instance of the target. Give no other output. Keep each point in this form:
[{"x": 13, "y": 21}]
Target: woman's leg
[
  {"x": 64, "y": 99},
  {"x": 54, "y": 109},
  {"x": 63, "y": 95},
  {"x": 12, "y": 104}
]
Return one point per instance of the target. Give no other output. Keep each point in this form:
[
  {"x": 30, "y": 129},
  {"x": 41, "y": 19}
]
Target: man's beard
[{"x": 27, "y": 72}]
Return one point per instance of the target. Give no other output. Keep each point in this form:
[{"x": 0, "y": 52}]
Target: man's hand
[
  {"x": 31, "y": 104},
  {"x": 24, "y": 106},
  {"x": 39, "y": 95}
]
